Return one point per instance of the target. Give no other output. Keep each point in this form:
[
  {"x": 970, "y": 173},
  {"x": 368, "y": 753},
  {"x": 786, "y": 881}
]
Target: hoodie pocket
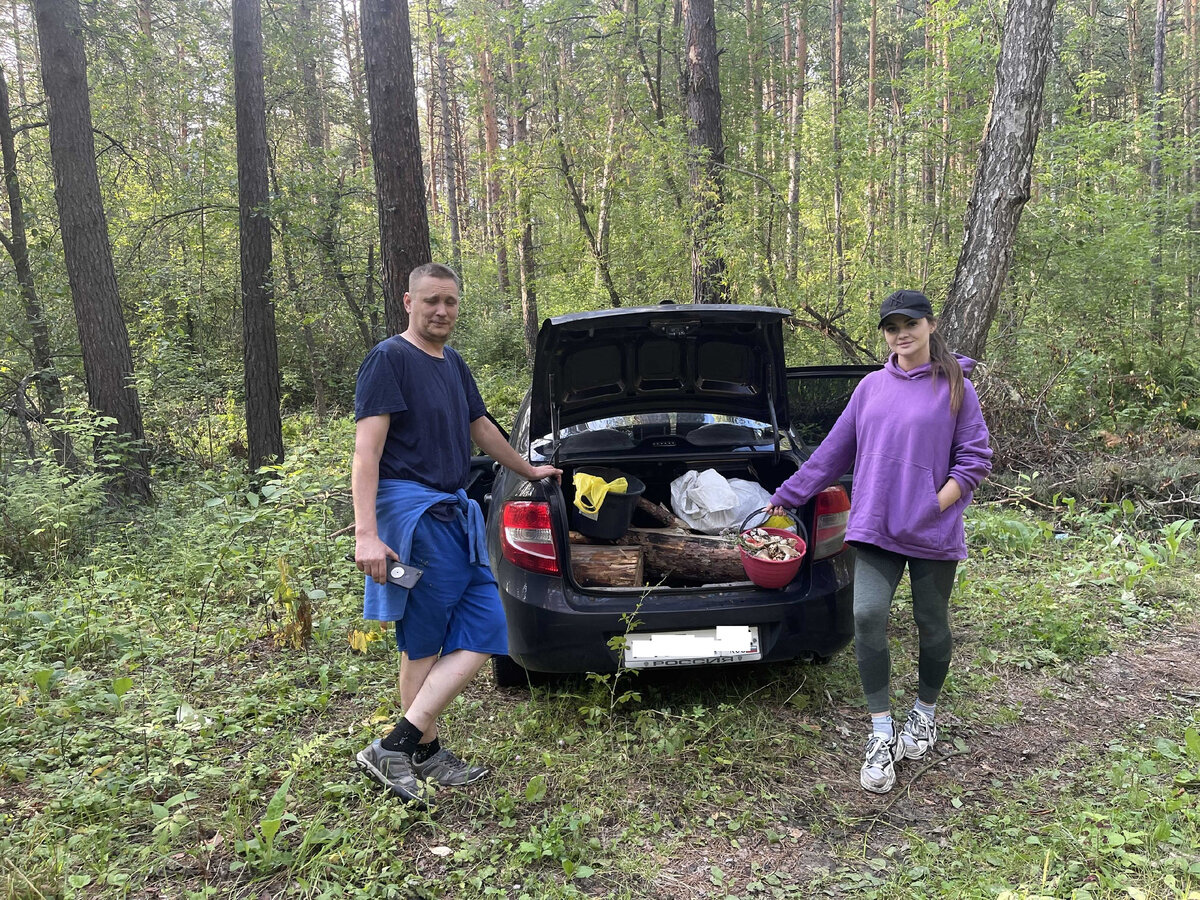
[{"x": 901, "y": 501}]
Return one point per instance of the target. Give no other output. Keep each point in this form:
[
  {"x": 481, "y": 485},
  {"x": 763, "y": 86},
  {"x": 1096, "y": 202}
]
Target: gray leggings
[{"x": 876, "y": 574}]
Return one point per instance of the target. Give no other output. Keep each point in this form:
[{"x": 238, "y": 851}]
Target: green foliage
[{"x": 150, "y": 711}]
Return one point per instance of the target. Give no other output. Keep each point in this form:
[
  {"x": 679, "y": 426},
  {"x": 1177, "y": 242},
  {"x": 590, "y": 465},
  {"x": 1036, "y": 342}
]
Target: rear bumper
[{"x": 552, "y": 629}]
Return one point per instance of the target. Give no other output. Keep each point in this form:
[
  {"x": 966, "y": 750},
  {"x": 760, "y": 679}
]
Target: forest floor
[
  {"x": 159, "y": 738},
  {"x": 1064, "y": 721}
]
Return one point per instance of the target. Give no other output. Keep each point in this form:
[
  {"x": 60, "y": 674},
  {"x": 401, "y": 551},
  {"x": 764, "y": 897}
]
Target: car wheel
[{"x": 508, "y": 674}]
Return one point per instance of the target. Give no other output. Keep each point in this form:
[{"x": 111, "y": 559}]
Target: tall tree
[
  {"x": 264, "y": 429},
  {"x": 836, "y": 77},
  {"x": 795, "y": 131},
  {"x": 1002, "y": 177},
  {"x": 449, "y": 162},
  {"x": 396, "y": 148},
  {"x": 1156, "y": 166},
  {"x": 350, "y": 49},
  {"x": 103, "y": 337},
  {"x": 519, "y": 119},
  {"x": 491, "y": 138},
  {"x": 45, "y": 376},
  {"x": 707, "y": 144}
]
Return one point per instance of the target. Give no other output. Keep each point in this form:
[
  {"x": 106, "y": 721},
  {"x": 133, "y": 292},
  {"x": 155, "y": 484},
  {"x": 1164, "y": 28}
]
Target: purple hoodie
[{"x": 903, "y": 441}]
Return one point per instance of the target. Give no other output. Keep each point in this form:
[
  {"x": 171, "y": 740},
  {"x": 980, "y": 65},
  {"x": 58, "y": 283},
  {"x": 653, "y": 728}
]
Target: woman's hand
[{"x": 950, "y": 494}]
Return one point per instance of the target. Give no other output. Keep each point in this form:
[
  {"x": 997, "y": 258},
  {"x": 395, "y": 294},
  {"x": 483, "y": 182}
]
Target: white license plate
[{"x": 699, "y": 647}]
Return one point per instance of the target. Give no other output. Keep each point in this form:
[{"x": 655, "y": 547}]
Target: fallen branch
[{"x": 921, "y": 771}]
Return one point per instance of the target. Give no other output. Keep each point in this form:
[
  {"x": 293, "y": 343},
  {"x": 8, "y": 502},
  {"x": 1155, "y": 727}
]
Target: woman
[{"x": 917, "y": 440}]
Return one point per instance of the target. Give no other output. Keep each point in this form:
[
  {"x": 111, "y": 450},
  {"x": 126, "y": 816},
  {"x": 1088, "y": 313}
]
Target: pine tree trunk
[
  {"x": 1002, "y": 178},
  {"x": 526, "y": 266},
  {"x": 103, "y": 337},
  {"x": 945, "y": 179},
  {"x": 396, "y": 148},
  {"x": 615, "y": 97},
  {"x": 753, "y": 9},
  {"x": 795, "y": 134},
  {"x": 1156, "y": 178},
  {"x": 1192, "y": 131},
  {"x": 491, "y": 137},
  {"x": 1133, "y": 34},
  {"x": 835, "y": 107},
  {"x": 351, "y": 49},
  {"x": 49, "y": 388},
  {"x": 872, "y": 195},
  {"x": 264, "y": 429},
  {"x": 449, "y": 165},
  {"x": 707, "y": 145}
]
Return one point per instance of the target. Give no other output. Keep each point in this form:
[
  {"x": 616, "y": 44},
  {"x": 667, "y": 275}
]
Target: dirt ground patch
[{"x": 1087, "y": 705}]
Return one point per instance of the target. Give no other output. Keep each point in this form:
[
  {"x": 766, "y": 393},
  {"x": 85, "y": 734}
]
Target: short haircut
[{"x": 433, "y": 270}]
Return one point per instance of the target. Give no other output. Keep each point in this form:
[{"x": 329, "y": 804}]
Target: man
[{"x": 418, "y": 409}]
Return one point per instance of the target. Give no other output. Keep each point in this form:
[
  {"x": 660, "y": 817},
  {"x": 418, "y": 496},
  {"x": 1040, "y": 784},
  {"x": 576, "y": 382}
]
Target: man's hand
[
  {"x": 371, "y": 556},
  {"x": 537, "y": 473}
]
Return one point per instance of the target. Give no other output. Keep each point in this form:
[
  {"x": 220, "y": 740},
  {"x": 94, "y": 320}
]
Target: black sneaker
[
  {"x": 448, "y": 770},
  {"x": 394, "y": 770}
]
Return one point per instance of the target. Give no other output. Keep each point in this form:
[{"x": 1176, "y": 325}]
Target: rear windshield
[{"x": 662, "y": 431}]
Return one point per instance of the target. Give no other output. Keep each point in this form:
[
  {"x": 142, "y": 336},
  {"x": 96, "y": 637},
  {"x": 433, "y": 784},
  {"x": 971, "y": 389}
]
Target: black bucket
[{"x": 615, "y": 513}]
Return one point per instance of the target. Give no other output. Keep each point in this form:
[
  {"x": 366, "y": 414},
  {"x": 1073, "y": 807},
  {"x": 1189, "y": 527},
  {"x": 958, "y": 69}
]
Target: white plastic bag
[{"x": 709, "y": 502}]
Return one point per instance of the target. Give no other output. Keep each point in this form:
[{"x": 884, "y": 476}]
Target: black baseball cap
[{"x": 913, "y": 304}]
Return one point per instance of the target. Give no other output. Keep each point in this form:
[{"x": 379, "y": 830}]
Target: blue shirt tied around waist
[{"x": 398, "y": 507}]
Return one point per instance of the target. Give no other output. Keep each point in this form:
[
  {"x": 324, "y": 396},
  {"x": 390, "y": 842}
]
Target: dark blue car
[{"x": 653, "y": 393}]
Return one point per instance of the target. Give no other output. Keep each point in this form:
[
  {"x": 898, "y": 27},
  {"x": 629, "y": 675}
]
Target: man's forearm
[
  {"x": 364, "y": 488},
  {"x": 492, "y": 442}
]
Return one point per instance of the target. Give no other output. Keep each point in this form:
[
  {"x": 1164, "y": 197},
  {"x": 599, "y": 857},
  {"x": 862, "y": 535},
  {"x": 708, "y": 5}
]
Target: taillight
[
  {"x": 526, "y": 538},
  {"x": 833, "y": 509}
]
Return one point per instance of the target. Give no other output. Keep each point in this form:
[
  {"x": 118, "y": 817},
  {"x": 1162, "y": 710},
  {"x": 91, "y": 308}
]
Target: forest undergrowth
[{"x": 183, "y": 688}]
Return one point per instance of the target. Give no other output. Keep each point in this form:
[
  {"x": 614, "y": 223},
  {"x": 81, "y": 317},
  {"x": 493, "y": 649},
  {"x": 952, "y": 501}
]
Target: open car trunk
[{"x": 656, "y": 552}]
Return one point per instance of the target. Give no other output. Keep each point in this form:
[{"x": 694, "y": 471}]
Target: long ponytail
[{"x": 943, "y": 362}]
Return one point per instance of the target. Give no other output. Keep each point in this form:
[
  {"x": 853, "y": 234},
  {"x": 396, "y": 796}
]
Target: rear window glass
[{"x": 661, "y": 430}]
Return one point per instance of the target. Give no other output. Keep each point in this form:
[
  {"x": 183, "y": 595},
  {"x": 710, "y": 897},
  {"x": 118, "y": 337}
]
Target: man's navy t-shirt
[{"x": 432, "y": 403}]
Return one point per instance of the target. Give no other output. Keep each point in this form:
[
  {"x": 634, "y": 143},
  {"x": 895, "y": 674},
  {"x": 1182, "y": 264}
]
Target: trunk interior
[{"x": 651, "y": 554}]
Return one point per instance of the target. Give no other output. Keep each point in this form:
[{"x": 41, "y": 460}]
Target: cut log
[
  {"x": 658, "y": 513},
  {"x": 680, "y": 557},
  {"x": 598, "y": 565}
]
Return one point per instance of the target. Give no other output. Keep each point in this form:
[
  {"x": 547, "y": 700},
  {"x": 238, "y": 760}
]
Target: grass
[{"x": 181, "y": 698}]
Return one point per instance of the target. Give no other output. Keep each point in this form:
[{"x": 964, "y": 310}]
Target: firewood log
[{"x": 597, "y": 565}]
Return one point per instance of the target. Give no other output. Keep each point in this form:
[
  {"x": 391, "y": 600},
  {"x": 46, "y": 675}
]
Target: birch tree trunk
[
  {"x": 396, "y": 148},
  {"x": 1002, "y": 177}
]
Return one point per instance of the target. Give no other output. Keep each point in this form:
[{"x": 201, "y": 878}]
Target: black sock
[
  {"x": 424, "y": 751},
  {"x": 403, "y": 738}
]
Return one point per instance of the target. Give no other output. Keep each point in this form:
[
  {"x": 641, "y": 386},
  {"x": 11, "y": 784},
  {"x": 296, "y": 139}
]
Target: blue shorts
[{"x": 455, "y": 605}]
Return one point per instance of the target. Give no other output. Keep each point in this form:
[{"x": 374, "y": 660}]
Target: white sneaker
[
  {"x": 878, "y": 770},
  {"x": 918, "y": 736}
]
